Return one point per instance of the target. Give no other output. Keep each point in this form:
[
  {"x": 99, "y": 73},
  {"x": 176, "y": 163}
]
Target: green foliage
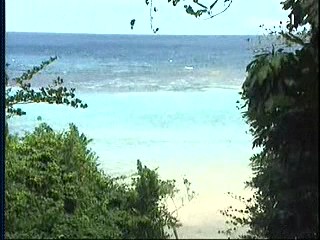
[
  {"x": 193, "y": 8},
  {"x": 148, "y": 202},
  {"x": 54, "y": 189},
  {"x": 281, "y": 106},
  {"x": 302, "y": 12},
  {"x": 132, "y": 22},
  {"x": 52, "y": 94},
  {"x": 238, "y": 218},
  {"x": 202, "y": 8}
]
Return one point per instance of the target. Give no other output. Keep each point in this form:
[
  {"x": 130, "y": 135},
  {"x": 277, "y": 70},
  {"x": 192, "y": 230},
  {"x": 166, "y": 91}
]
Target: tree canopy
[{"x": 281, "y": 95}]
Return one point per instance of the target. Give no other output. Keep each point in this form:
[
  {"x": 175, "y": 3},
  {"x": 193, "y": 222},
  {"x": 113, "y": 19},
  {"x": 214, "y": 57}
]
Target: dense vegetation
[
  {"x": 281, "y": 100},
  {"x": 54, "y": 188},
  {"x": 281, "y": 95}
]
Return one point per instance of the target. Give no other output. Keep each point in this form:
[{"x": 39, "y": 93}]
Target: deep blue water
[{"x": 117, "y": 63}]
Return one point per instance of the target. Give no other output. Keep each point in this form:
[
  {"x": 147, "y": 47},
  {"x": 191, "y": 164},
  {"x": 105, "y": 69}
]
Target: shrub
[{"x": 54, "y": 189}]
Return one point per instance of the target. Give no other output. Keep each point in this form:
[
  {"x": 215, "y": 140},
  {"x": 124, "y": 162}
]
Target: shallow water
[{"x": 159, "y": 128}]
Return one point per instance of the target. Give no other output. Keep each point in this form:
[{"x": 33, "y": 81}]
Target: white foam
[{"x": 188, "y": 67}]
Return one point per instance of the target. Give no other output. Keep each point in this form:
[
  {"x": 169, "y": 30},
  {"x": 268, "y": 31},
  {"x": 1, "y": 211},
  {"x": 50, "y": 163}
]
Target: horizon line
[{"x": 137, "y": 34}]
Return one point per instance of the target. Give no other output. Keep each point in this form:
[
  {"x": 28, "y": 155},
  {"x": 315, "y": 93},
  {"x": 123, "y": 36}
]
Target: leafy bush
[
  {"x": 54, "y": 189},
  {"x": 281, "y": 94}
]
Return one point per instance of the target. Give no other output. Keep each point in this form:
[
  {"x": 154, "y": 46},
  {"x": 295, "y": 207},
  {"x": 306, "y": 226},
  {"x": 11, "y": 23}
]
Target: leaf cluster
[
  {"x": 281, "y": 98},
  {"x": 192, "y": 7},
  {"x": 55, "y": 189},
  {"x": 23, "y": 93}
]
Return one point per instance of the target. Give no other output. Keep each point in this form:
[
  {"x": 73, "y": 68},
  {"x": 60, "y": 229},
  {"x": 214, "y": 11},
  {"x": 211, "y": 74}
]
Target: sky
[{"x": 114, "y": 16}]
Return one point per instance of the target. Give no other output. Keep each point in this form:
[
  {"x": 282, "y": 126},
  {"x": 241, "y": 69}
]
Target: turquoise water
[{"x": 159, "y": 128}]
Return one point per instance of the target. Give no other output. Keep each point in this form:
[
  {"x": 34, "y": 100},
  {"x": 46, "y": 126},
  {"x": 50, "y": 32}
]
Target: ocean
[{"x": 169, "y": 101}]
